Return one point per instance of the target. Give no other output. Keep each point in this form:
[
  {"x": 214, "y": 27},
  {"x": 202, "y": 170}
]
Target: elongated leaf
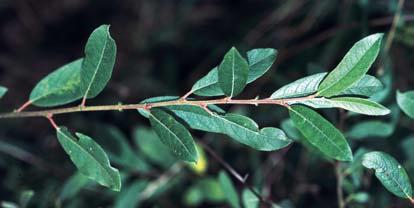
[
  {"x": 152, "y": 148},
  {"x": 354, "y": 104},
  {"x": 406, "y": 102},
  {"x": 174, "y": 135},
  {"x": 260, "y": 60},
  {"x": 229, "y": 190},
  {"x": 367, "y": 86},
  {"x": 59, "y": 87},
  {"x": 232, "y": 73},
  {"x": 321, "y": 133},
  {"x": 89, "y": 158},
  {"x": 73, "y": 185},
  {"x": 301, "y": 87},
  {"x": 130, "y": 197},
  {"x": 352, "y": 67},
  {"x": 250, "y": 200},
  {"x": 389, "y": 172},
  {"x": 3, "y": 91},
  {"x": 99, "y": 61},
  {"x": 367, "y": 129},
  {"x": 238, "y": 127}
]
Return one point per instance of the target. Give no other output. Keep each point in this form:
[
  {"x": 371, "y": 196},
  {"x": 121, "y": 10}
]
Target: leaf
[
  {"x": 238, "y": 127},
  {"x": 249, "y": 199},
  {"x": 25, "y": 198},
  {"x": 354, "y": 104},
  {"x": 229, "y": 190},
  {"x": 367, "y": 86},
  {"x": 155, "y": 100},
  {"x": 321, "y": 133},
  {"x": 389, "y": 172},
  {"x": 99, "y": 61},
  {"x": 151, "y": 147},
  {"x": 89, "y": 158},
  {"x": 73, "y": 185},
  {"x": 130, "y": 196},
  {"x": 3, "y": 91},
  {"x": 59, "y": 87},
  {"x": 355, "y": 168},
  {"x": 260, "y": 60},
  {"x": 352, "y": 67},
  {"x": 232, "y": 73},
  {"x": 406, "y": 102},
  {"x": 366, "y": 129},
  {"x": 205, "y": 190},
  {"x": 301, "y": 87},
  {"x": 174, "y": 135}
]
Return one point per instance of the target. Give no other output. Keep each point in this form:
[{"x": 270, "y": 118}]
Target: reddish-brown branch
[{"x": 24, "y": 106}]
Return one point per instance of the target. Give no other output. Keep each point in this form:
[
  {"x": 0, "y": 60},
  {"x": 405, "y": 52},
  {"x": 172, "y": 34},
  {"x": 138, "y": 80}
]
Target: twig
[
  {"x": 234, "y": 173},
  {"x": 393, "y": 28},
  {"x": 222, "y": 101},
  {"x": 339, "y": 184}
]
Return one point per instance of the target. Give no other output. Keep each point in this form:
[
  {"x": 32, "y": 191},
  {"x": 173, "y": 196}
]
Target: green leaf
[
  {"x": 229, "y": 190},
  {"x": 260, "y": 60},
  {"x": 352, "y": 67},
  {"x": 174, "y": 135},
  {"x": 155, "y": 100},
  {"x": 59, "y": 87},
  {"x": 89, "y": 158},
  {"x": 232, "y": 73},
  {"x": 130, "y": 195},
  {"x": 25, "y": 198},
  {"x": 99, "y": 61},
  {"x": 367, "y": 86},
  {"x": 301, "y": 87},
  {"x": 406, "y": 102},
  {"x": 250, "y": 200},
  {"x": 321, "y": 133},
  {"x": 238, "y": 127},
  {"x": 354, "y": 104},
  {"x": 366, "y": 129},
  {"x": 389, "y": 172},
  {"x": 205, "y": 190},
  {"x": 152, "y": 148},
  {"x": 73, "y": 185},
  {"x": 3, "y": 91}
]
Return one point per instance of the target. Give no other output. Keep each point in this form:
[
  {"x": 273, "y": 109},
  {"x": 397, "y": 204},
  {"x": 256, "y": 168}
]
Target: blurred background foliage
[{"x": 163, "y": 48}]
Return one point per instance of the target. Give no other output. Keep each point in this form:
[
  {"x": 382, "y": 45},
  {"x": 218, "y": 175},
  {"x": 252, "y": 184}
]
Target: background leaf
[
  {"x": 130, "y": 196},
  {"x": 232, "y": 73},
  {"x": 249, "y": 199},
  {"x": 389, "y": 172},
  {"x": 319, "y": 132},
  {"x": 352, "y": 67},
  {"x": 406, "y": 102},
  {"x": 3, "y": 91},
  {"x": 99, "y": 61},
  {"x": 59, "y": 87},
  {"x": 174, "y": 135},
  {"x": 229, "y": 190},
  {"x": 89, "y": 158}
]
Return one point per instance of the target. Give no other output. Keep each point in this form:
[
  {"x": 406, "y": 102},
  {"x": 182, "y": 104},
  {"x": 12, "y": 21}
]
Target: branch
[{"x": 147, "y": 106}]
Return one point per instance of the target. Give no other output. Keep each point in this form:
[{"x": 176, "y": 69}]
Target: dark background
[{"x": 163, "y": 48}]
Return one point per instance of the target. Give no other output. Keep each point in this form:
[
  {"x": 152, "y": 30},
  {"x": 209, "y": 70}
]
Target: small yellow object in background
[{"x": 202, "y": 164}]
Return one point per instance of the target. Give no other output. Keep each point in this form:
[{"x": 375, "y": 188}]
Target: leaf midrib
[
  {"x": 327, "y": 137},
  {"x": 90, "y": 155},
  {"x": 97, "y": 67},
  {"x": 175, "y": 136}
]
